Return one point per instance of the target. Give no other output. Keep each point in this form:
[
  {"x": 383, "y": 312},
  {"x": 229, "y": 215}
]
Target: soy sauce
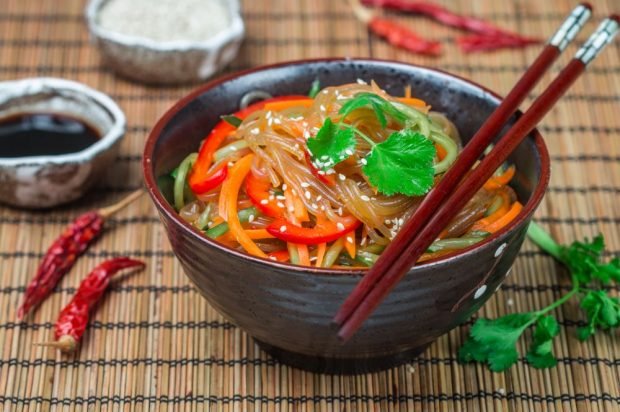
[{"x": 44, "y": 134}]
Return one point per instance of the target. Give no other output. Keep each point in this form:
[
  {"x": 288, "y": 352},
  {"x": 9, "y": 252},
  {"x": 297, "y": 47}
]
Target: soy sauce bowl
[
  {"x": 43, "y": 181},
  {"x": 288, "y": 309}
]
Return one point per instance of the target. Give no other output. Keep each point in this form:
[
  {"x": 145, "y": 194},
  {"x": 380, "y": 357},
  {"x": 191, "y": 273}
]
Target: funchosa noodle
[{"x": 256, "y": 185}]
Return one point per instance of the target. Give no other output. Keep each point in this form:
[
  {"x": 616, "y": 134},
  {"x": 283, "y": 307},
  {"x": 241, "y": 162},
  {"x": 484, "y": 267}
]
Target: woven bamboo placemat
[{"x": 154, "y": 343}]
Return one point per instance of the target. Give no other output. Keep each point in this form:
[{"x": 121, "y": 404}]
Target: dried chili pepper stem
[
  {"x": 396, "y": 34},
  {"x": 73, "y": 319},
  {"x": 62, "y": 254}
]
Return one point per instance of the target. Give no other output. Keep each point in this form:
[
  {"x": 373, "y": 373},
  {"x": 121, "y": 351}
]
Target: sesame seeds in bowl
[{"x": 168, "y": 41}]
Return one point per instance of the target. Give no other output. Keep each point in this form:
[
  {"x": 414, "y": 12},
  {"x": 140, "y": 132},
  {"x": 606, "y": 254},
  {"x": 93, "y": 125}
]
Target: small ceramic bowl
[
  {"x": 44, "y": 181},
  {"x": 148, "y": 61},
  {"x": 288, "y": 309}
]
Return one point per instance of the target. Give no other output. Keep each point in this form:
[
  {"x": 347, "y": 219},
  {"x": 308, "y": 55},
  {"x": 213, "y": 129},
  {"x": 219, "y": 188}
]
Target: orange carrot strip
[
  {"x": 285, "y": 104},
  {"x": 501, "y": 211},
  {"x": 412, "y": 101},
  {"x": 304, "y": 255},
  {"x": 441, "y": 152},
  {"x": 506, "y": 219},
  {"x": 320, "y": 254},
  {"x": 496, "y": 182},
  {"x": 349, "y": 243},
  {"x": 258, "y": 234},
  {"x": 229, "y": 196}
]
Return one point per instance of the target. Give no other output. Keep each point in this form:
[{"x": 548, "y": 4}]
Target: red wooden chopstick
[
  {"x": 472, "y": 151},
  {"x": 414, "y": 243}
]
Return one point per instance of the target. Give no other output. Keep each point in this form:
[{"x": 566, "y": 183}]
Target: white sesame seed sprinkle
[
  {"x": 291, "y": 209},
  {"x": 294, "y": 192},
  {"x": 321, "y": 172},
  {"x": 272, "y": 197},
  {"x": 277, "y": 121},
  {"x": 349, "y": 152},
  {"x": 251, "y": 218},
  {"x": 255, "y": 131},
  {"x": 305, "y": 184},
  {"x": 269, "y": 121},
  {"x": 272, "y": 258},
  {"x": 360, "y": 81},
  {"x": 280, "y": 205},
  {"x": 315, "y": 206},
  {"x": 307, "y": 194},
  {"x": 342, "y": 177},
  {"x": 230, "y": 164},
  {"x": 340, "y": 226},
  {"x": 283, "y": 228},
  {"x": 280, "y": 197},
  {"x": 322, "y": 108},
  {"x": 319, "y": 197},
  {"x": 349, "y": 239},
  {"x": 363, "y": 161},
  {"x": 264, "y": 202},
  {"x": 364, "y": 198}
]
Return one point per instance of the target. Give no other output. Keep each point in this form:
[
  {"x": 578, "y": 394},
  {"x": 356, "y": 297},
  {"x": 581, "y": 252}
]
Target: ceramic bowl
[
  {"x": 148, "y": 61},
  {"x": 288, "y": 309},
  {"x": 44, "y": 181}
]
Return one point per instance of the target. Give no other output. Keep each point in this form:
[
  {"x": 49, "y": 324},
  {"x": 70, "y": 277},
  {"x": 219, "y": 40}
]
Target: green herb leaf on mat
[{"x": 494, "y": 341}]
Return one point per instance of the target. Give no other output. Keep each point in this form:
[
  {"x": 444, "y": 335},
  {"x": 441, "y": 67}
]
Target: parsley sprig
[
  {"x": 493, "y": 341},
  {"x": 402, "y": 163}
]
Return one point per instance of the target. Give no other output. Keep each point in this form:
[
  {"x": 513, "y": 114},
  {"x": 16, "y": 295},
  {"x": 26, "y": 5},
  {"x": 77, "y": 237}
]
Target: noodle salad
[{"x": 328, "y": 179}]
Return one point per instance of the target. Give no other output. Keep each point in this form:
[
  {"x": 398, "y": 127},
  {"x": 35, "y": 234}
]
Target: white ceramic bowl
[
  {"x": 44, "y": 181},
  {"x": 148, "y": 61}
]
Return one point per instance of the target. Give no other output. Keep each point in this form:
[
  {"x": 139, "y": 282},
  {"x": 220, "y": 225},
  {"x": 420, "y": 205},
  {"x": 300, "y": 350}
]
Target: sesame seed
[
  {"x": 284, "y": 186},
  {"x": 364, "y": 198},
  {"x": 322, "y": 108},
  {"x": 268, "y": 114},
  {"x": 323, "y": 207},
  {"x": 319, "y": 197},
  {"x": 349, "y": 152},
  {"x": 283, "y": 228},
  {"x": 313, "y": 259},
  {"x": 305, "y": 184},
  {"x": 349, "y": 239},
  {"x": 272, "y": 197},
  {"x": 251, "y": 218},
  {"x": 280, "y": 205},
  {"x": 277, "y": 121},
  {"x": 340, "y": 226},
  {"x": 321, "y": 172},
  {"x": 324, "y": 157},
  {"x": 314, "y": 206},
  {"x": 294, "y": 192},
  {"x": 330, "y": 172},
  {"x": 255, "y": 131},
  {"x": 272, "y": 258},
  {"x": 306, "y": 134},
  {"x": 340, "y": 210},
  {"x": 360, "y": 81},
  {"x": 342, "y": 177},
  {"x": 296, "y": 145},
  {"x": 264, "y": 202},
  {"x": 307, "y": 194},
  {"x": 388, "y": 221},
  {"x": 291, "y": 209},
  {"x": 280, "y": 197},
  {"x": 363, "y": 161},
  {"x": 363, "y": 242},
  {"x": 269, "y": 121},
  {"x": 230, "y": 164}
]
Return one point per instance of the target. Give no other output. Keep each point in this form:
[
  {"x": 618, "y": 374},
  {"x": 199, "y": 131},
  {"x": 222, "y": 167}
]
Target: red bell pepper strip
[
  {"x": 199, "y": 180},
  {"x": 258, "y": 192},
  {"x": 211, "y": 181},
  {"x": 326, "y": 231},
  {"x": 280, "y": 256}
]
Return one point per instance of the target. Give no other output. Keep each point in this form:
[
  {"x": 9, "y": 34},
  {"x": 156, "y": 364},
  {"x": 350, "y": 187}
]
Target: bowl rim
[
  {"x": 165, "y": 208},
  {"x": 234, "y": 31},
  {"x": 37, "y": 85}
]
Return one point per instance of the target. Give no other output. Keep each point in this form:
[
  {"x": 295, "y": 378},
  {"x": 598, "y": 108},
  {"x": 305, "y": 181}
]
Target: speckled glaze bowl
[
  {"x": 37, "y": 182},
  {"x": 288, "y": 309},
  {"x": 148, "y": 61}
]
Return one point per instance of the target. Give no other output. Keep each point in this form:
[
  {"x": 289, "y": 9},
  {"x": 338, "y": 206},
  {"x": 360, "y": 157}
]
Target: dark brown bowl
[{"x": 288, "y": 309}]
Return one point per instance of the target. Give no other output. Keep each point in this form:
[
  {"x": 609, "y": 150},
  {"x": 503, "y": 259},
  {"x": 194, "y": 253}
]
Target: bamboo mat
[{"x": 155, "y": 344}]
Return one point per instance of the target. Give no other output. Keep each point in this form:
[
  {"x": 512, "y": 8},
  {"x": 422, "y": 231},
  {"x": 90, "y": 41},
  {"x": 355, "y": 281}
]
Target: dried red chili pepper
[
  {"x": 65, "y": 250},
  {"x": 489, "y": 36},
  {"x": 73, "y": 319},
  {"x": 396, "y": 34}
]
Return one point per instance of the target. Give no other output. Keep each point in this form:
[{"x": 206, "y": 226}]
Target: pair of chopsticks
[{"x": 453, "y": 191}]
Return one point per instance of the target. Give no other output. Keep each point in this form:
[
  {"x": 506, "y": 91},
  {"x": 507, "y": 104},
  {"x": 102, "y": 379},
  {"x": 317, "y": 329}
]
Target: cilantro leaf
[
  {"x": 540, "y": 354},
  {"x": 377, "y": 103},
  {"x": 331, "y": 145},
  {"x": 602, "y": 312},
  {"x": 403, "y": 163}
]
